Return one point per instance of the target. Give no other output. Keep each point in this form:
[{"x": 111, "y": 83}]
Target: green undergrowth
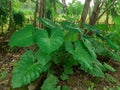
[{"x": 60, "y": 47}]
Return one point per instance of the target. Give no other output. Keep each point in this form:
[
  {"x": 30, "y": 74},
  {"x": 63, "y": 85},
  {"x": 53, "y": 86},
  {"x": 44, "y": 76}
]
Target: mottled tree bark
[
  {"x": 35, "y": 14},
  {"x": 85, "y": 11},
  {"x": 96, "y": 10},
  {"x": 107, "y": 18},
  {"x": 95, "y": 16},
  {"x": 42, "y": 11}
]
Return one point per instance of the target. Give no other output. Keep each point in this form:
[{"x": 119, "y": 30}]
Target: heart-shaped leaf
[
  {"x": 49, "y": 43},
  {"x": 26, "y": 70},
  {"x": 86, "y": 57},
  {"x": 42, "y": 57},
  {"x": 23, "y": 37}
]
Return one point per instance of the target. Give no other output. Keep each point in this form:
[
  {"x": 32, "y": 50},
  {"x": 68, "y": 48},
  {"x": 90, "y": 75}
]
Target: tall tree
[
  {"x": 11, "y": 23},
  {"x": 85, "y": 11},
  {"x": 64, "y": 5},
  {"x": 96, "y": 10},
  {"x": 42, "y": 11},
  {"x": 35, "y": 13},
  {"x": 98, "y": 4}
]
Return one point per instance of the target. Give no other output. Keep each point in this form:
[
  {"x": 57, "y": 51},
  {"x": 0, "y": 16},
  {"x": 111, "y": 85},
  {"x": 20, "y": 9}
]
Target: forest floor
[{"x": 78, "y": 81}]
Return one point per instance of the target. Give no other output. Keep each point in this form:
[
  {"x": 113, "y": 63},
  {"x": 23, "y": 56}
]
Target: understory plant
[{"x": 60, "y": 46}]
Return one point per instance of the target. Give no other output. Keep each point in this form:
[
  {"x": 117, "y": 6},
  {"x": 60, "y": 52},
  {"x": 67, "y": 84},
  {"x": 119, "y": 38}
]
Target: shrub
[
  {"x": 64, "y": 45},
  {"x": 19, "y": 18}
]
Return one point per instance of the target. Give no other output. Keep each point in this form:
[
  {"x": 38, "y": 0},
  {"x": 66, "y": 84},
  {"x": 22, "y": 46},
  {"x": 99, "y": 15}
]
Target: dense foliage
[
  {"x": 3, "y": 11},
  {"x": 65, "y": 36},
  {"x": 62, "y": 44},
  {"x": 19, "y": 18}
]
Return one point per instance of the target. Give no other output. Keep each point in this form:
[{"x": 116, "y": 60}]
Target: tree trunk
[
  {"x": 85, "y": 11},
  {"x": 108, "y": 7},
  {"x": 11, "y": 23},
  {"x": 107, "y": 18},
  {"x": 64, "y": 5},
  {"x": 35, "y": 14},
  {"x": 95, "y": 12},
  {"x": 42, "y": 11}
]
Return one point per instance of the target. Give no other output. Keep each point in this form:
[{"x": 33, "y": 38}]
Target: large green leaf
[
  {"x": 23, "y": 37},
  {"x": 50, "y": 83},
  {"x": 112, "y": 44},
  {"x": 116, "y": 20},
  {"x": 94, "y": 29},
  {"x": 102, "y": 26},
  {"x": 79, "y": 49},
  {"x": 71, "y": 27},
  {"x": 108, "y": 67},
  {"x": 49, "y": 43},
  {"x": 48, "y": 23},
  {"x": 42, "y": 57},
  {"x": 115, "y": 28},
  {"x": 114, "y": 55},
  {"x": 90, "y": 48},
  {"x": 85, "y": 57},
  {"x": 70, "y": 36},
  {"x": 102, "y": 50},
  {"x": 99, "y": 48},
  {"x": 26, "y": 70},
  {"x": 69, "y": 47}
]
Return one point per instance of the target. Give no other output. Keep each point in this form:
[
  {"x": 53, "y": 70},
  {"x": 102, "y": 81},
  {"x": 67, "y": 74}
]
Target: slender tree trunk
[
  {"x": 2, "y": 28},
  {"x": 95, "y": 12},
  {"x": 42, "y": 11},
  {"x": 107, "y": 18},
  {"x": 64, "y": 5},
  {"x": 94, "y": 15},
  {"x": 11, "y": 23},
  {"x": 85, "y": 11},
  {"x": 35, "y": 14}
]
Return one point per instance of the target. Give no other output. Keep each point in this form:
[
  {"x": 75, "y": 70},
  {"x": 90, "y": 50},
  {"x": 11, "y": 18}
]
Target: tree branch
[{"x": 107, "y": 9}]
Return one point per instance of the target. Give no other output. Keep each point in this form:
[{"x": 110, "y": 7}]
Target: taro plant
[{"x": 60, "y": 46}]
